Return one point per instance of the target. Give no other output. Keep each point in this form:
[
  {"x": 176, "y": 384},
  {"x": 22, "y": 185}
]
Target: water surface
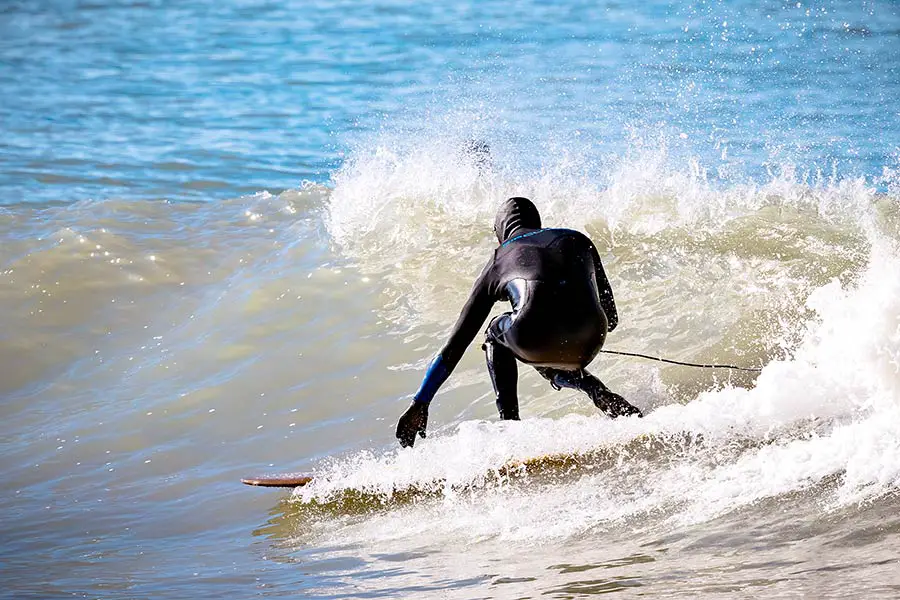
[{"x": 234, "y": 233}]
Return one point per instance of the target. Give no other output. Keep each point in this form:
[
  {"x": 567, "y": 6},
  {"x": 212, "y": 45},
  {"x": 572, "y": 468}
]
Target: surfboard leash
[{"x": 685, "y": 364}]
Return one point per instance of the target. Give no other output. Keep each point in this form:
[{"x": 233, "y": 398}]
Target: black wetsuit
[
  {"x": 551, "y": 278},
  {"x": 562, "y": 308}
]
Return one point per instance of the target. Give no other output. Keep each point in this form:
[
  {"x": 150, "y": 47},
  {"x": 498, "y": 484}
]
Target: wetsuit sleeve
[
  {"x": 605, "y": 291},
  {"x": 472, "y": 317}
]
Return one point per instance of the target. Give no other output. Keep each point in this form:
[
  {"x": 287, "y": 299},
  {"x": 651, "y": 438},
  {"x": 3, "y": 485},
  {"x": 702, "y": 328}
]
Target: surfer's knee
[{"x": 560, "y": 378}]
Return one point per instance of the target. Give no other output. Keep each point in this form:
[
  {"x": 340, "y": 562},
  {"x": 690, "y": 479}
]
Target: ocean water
[{"x": 234, "y": 233}]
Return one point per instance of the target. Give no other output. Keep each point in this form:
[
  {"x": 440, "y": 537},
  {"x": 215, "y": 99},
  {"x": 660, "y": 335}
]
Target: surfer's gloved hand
[{"x": 412, "y": 422}]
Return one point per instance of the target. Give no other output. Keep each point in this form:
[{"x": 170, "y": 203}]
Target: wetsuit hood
[{"x": 516, "y": 215}]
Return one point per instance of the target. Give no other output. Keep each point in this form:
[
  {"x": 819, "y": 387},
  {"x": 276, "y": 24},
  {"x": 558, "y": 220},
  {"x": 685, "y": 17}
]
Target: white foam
[{"x": 402, "y": 195}]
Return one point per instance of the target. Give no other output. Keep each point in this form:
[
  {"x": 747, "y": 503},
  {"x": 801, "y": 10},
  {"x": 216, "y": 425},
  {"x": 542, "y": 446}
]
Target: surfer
[{"x": 562, "y": 308}]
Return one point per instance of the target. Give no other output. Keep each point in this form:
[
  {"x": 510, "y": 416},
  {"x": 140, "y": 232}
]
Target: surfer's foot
[
  {"x": 508, "y": 413},
  {"x": 614, "y": 405}
]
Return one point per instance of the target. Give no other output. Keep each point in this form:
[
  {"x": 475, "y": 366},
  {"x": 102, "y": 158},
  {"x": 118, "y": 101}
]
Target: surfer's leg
[
  {"x": 501, "y": 364},
  {"x": 609, "y": 402}
]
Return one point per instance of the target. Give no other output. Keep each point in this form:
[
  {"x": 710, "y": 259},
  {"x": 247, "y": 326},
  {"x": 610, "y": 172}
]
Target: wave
[{"x": 796, "y": 274}]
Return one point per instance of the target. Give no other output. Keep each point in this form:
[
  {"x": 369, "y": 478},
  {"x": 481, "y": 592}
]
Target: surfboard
[
  {"x": 511, "y": 469},
  {"x": 283, "y": 480},
  {"x": 542, "y": 466}
]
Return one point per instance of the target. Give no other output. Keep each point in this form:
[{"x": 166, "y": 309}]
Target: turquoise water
[
  {"x": 214, "y": 100},
  {"x": 234, "y": 233}
]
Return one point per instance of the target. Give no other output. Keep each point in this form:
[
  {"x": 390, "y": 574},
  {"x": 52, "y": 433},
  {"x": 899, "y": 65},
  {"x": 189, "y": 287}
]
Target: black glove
[{"x": 412, "y": 422}]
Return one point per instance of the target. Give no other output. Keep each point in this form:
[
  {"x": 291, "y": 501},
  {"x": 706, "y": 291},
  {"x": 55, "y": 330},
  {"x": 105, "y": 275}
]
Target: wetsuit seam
[{"x": 523, "y": 236}]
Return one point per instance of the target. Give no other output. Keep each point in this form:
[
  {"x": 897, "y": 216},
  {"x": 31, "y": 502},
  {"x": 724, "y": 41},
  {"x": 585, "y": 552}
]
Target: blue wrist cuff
[{"x": 436, "y": 375}]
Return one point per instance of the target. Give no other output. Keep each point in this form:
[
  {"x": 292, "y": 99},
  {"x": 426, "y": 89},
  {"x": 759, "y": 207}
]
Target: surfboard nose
[{"x": 287, "y": 480}]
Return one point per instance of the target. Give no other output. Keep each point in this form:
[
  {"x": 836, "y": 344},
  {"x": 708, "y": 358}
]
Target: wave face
[{"x": 795, "y": 275}]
